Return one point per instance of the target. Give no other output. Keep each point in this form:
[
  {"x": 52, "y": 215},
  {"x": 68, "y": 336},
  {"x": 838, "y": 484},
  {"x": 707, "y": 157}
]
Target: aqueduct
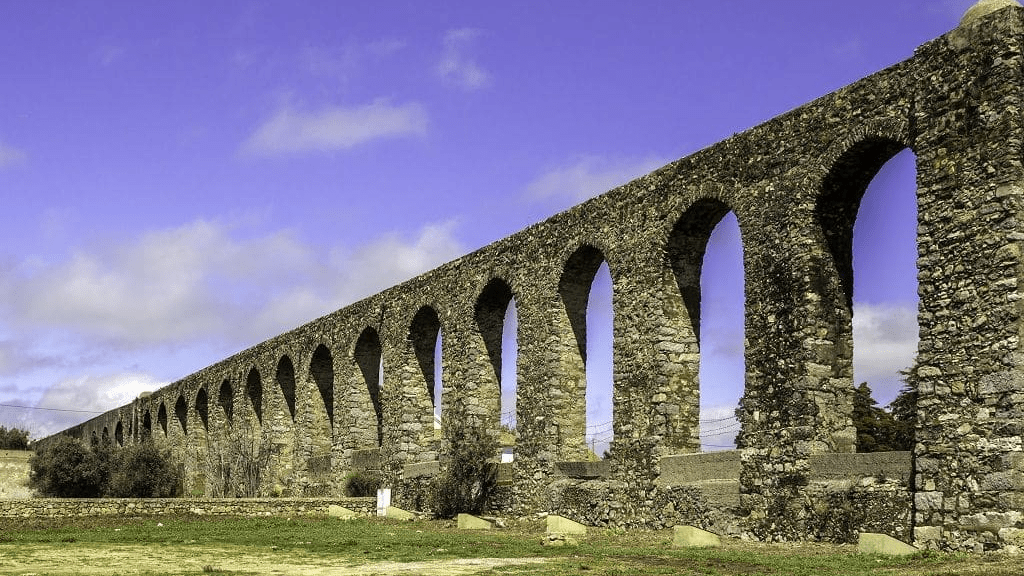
[{"x": 360, "y": 380}]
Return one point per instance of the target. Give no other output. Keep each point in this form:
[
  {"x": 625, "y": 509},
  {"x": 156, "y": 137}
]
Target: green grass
[{"x": 370, "y": 540}]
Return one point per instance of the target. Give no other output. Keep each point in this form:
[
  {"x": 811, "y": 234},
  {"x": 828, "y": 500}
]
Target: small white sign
[{"x": 383, "y": 501}]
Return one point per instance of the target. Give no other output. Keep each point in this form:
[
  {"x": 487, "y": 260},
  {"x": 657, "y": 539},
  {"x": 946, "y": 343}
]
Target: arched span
[
  {"x": 321, "y": 369},
  {"x": 181, "y": 412},
  {"x": 491, "y": 312},
  {"x": 147, "y": 426},
  {"x": 226, "y": 400},
  {"x": 574, "y": 289},
  {"x": 119, "y": 434},
  {"x": 203, "y": 408},
  {"x": 254, "y": 391},
  {"x": 676, "y": 415},
  {"x": 285, "y": 377},
  {"x": 161, "y": 418},
  {"x": 368, "y": 355},
  {"x": 839, "y": 199},
  {"x": 424, "y": 333}
]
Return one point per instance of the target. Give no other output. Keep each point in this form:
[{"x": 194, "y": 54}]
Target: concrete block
[
  {"x": 335, "y": 511},
  {"x": 470, "y": 522},
  {"x": 870, "y": 543},
  {"x": 396, "y": 513},
  {"x": 690, "y": 537},
  {"x": 560, "y": 525}
]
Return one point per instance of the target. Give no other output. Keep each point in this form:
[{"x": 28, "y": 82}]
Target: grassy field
[{"x": 327, "y": 546}]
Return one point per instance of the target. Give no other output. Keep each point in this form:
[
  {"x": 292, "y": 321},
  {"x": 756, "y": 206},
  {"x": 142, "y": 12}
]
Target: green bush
[
  {"x": 470, "y": 476},
  {"x": 13, "y": 438},
  {"x": 142, "y": 471},
  {"x": 362, "y": 483},
  {"x": 67, "y": 468}
]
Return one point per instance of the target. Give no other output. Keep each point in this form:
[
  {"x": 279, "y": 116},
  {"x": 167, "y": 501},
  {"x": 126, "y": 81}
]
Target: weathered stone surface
[
  {"x": 691, "y": 537},
  {"x": 310, "y": 400},
  {"x": 559, "y": 525},
  {"x": 470, "y": 522},
  {"x": 396, "y": 513},
  {"x": 869, "y": 543},
  {"x": 342, "y": 512}
]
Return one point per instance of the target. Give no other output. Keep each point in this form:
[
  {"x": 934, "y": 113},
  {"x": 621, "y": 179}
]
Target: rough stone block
[
  {"x": 870, "y": 543},
  {"x": 396, "y": 513},
  {"x": 690, "y": 537},
  {"x": 561, "y": 525},
  {"x": 470, "y": 522},
  {"x": 336, "y": 511}
]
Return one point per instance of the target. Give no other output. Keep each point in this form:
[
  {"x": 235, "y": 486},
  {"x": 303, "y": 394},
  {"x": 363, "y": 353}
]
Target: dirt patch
[{"x": 71, "y": 559}]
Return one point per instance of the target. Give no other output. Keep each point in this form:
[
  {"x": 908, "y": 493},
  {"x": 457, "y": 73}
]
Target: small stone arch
[
  {"x": 424, "y": 331},
  {"x": 226, "y": 400},
  {"x": 203, "y": 408},
  {"x": 321, "y": 369},
  {"x": 285, "y": 376},
  {"x": 161, "y": 417},
  {"x": 119, "y": 434},
  {"x": 368, "y": 355},
  {"x": 147, "y": 426},
  {"x": 181, "y": 413},
  {"x": 254, "y": 391}
]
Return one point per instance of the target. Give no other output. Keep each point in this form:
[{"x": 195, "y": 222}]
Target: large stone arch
[
  {"x": 486, "y": 387},
  {"x": 254, "y": 394},
  {"x": 316, "y": 414},
  {"x": 283, "y": 433},
  {"x": 368, "y": 356}
]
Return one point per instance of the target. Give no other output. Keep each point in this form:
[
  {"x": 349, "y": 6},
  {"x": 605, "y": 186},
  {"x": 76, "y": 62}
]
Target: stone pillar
[{"x": 969, "y": 459}]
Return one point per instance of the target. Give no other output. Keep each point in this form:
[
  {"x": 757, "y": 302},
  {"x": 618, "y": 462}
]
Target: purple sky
[{"x": 185, "y": 179}]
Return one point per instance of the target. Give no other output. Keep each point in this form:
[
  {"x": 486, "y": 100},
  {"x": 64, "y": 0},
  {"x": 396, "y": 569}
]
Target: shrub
[
  {"x": 471, "y": 474},
  {"x": 142, "y": 471},
  {"x": 362, "y": 483},
  {"x": 67, "y": 468}
]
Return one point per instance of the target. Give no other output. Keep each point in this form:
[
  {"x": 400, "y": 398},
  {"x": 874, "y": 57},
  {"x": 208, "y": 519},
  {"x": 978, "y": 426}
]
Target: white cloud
[
  {"x": 885, "y": 342},
  {"x": 87, "y": 394},
  {"x": 588, "y": 176},
  {"x": 10, "y": 156},
  {"x": 199, "y": 281},
  {"x": 457, "y": 66},
  {"x": 291, "y": 131}
]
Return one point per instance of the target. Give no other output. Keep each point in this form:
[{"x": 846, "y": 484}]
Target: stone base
[{"x": 690, "y": 537}]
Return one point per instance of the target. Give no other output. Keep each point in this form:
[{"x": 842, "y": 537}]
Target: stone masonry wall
[
  {"x": 307, "y": 400},
  {"x": 80, "y": 507}
]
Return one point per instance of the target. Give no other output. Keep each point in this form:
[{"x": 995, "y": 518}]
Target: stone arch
[
  {"x": 368, "y": 356},
  {"x": 490, "y": 313},
  {"x": 318, "y": 420},
  {"x": 105, "y": 436},
  {"x": 574, "y": 288},
  {"x": 254, "y": 391},
  {"x": 321, "y": 370},
  {"x": 181, "y": 412},
  {"x": 147, "y": 426},
  {"x": 119, "y": 434},
  {"x": 226, "y": 400},
  {"x": 424, "y": 333},
  {"x": 285, "y": 376},
  {"x": 203, "y": 408},
  {"x": 161, "y": 417},
  {"x": 676, "y": 414}
]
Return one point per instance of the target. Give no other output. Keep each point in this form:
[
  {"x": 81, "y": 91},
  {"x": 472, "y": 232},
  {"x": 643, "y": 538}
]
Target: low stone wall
[
  {"x": 14, "y": 474},
  {"x": 80, "y": 507}
]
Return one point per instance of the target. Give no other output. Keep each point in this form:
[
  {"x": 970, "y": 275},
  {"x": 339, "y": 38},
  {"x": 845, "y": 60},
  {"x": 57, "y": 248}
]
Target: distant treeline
[{"x": 13, "y": 438}]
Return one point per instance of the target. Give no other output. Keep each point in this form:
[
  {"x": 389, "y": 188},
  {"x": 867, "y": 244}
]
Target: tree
[
  {"x": 13, "y": 438},
  {"x": 142, "y": 471},
  {"x": 67, "y": 468},
  {"x": 877, "y": 430},
  {"x": 471, "y": 474}
]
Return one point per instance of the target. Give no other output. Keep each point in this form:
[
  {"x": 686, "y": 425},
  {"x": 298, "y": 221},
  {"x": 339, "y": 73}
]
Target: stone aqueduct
[{"x": 794, "y": 184}]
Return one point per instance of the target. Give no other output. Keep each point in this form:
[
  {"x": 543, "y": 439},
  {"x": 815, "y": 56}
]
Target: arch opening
[
  {"x": 703, "y": 293},
  {"x": 161, "y": 418},
  {"x": 203, "y": 408},
  {"x": 496, "y": 319},
  {"x": 586, "y": 292},
  {"x": 254, "y": 390},
  {"x": 119, "y": 434},
  {"x": 226, "y": 400},
  {"x": 369, "y": 357},
  {"x": 147, "y": 426},
  {"x": 285, "y": 377},
  {"x": 425, "y": 333},
  {"x": 321, "y": 369},
  {"x": 868, "y": 217},
  {"x": 181, "y": 412}
]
